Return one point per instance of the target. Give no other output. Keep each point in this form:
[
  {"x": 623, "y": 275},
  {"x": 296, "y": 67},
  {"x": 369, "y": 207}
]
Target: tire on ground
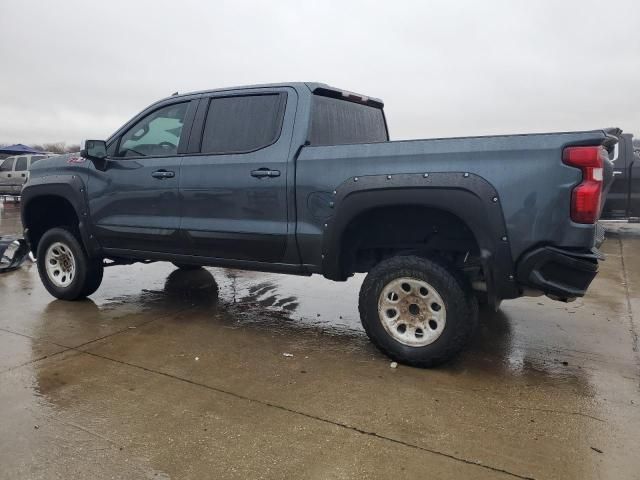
[
  {"x": 460, "y": 306},
  {"x": 88, "y": 272}
]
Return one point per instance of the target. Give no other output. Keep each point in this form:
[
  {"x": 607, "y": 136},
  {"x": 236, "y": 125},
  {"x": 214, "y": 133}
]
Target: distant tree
[
  {"x": 73, "y": 148},
  {"x": 55, "y": 147},
  {"x": 58, "y": 147}
]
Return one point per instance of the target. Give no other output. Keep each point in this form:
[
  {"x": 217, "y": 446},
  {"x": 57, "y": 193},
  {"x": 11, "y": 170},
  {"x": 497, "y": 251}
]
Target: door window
[
  {"x": 243, "y": 123},
  {"x": 157, "y": 134},
  {"x": 7, "y": 165},
  {"x": 21, "y": 164}
]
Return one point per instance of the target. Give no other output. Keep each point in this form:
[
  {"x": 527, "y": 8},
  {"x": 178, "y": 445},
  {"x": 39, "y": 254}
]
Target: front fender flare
[{"x": 69, "y": 187}]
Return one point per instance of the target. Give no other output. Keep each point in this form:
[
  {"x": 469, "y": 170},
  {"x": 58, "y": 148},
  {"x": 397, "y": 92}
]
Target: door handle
[
  {"x": 162, "y": 174},
  {"x": 265, "y": 172},
  {"x": 8, "y": 174},
  {"x": 616, "y": 173}
]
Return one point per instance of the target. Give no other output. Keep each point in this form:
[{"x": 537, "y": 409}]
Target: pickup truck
[
  {"x": 301, "y": 178},
  {"x": 623, "y": 200}
]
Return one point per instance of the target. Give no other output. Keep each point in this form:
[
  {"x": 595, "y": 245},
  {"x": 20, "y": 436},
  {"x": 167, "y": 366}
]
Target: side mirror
[{"x": 93, "y": 149}]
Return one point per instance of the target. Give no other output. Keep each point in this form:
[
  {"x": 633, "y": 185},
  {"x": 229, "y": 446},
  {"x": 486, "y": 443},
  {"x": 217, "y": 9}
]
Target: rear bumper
[{"x": 562, "y": 274}]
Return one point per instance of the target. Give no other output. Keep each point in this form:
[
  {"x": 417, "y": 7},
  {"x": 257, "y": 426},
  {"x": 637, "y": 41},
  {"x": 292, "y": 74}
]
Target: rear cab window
[{"x": 337, "y": 121}]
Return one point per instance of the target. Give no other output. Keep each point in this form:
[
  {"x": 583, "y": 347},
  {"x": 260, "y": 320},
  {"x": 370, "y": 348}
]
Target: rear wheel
[
  {"x": 416, "y": 311},
  {"x": 64, "y": 268}
]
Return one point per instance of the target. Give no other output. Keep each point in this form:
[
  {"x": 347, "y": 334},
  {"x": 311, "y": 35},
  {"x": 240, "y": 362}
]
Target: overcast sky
[{"x": 79, "y": 69}]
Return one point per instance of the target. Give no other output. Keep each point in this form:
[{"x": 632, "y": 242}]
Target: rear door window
[
  {"x": 243, "y": 123},
  {"x": 7, "y": 165},
  {"x": 339, "y": 122},
  {"x": 21, "y": 164}
]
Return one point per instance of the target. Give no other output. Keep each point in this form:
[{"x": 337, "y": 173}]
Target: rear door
[
  {"x": 20, "y": 170},
  {"x": 133, "y": 196},
  {"x": 234, "y": 186}
]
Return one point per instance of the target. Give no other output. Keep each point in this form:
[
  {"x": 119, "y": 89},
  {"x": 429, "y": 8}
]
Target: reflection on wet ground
[{"x": 167, "y": 373}]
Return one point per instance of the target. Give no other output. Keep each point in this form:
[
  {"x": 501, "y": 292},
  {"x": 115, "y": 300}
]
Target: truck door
[
  {"x": 234, "y": 186},
  {"x": 20, "y": 170},
  {"x": 617, "y": 201},
  {"x": 133, "y": 195}
]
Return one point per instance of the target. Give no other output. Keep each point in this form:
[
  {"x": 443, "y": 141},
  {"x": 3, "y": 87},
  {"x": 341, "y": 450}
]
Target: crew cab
[{"x": 301, "y": 178}]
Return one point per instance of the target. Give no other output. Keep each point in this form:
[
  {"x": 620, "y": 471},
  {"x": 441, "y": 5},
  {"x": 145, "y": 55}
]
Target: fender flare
[
  {"x": 467, "y": 196},
  {"x": 69, "y": 187}
]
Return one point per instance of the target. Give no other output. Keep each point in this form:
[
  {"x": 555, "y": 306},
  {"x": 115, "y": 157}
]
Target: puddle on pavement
[
  {"x": 288, "y": 305},
  {"x": 561, "y": 355}
]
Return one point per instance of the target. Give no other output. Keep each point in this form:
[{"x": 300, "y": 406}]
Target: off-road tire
[
  {"x": 94, "y": 278},
  {"x": 460, "y": 305},
  {"x": 88, "y": 272}
]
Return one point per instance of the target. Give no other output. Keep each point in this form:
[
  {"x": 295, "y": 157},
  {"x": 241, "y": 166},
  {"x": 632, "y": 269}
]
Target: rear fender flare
[{"x": 468, "y": 196}]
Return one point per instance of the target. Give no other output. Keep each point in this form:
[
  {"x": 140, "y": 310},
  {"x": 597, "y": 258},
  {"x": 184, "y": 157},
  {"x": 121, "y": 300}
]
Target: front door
[
  {"x": 133, "y": 195},
  {"x": 234, "y": 187}
]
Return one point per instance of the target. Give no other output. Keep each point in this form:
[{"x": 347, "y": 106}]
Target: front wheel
[
  {"x": 64, "y": 268},
  {"x": 416, "y": 311}
]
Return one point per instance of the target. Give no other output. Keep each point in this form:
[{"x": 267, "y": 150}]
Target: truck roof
[{"x": 314, "y": 87}]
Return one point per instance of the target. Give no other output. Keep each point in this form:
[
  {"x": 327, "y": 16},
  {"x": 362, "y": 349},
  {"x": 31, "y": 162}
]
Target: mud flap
[{"x": 13, "y": 252}]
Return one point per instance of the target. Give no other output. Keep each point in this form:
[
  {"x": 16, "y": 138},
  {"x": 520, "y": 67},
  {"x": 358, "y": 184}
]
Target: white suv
[{"x": 14, "y": 172}]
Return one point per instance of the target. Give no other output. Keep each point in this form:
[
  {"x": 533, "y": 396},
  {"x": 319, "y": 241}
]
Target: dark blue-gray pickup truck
[{"x": 301, "y": 178}]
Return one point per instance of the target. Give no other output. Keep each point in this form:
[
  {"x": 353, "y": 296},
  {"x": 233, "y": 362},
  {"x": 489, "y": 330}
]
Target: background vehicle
[
  {"x": 14, "y": 172},
  {"x": 302, "y": 178},
  {"x": 623, "y": 200}
]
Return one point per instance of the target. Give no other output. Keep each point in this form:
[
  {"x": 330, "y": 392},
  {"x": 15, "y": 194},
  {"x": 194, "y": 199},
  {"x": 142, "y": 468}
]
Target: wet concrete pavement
[{"x": 170, "y": 374}]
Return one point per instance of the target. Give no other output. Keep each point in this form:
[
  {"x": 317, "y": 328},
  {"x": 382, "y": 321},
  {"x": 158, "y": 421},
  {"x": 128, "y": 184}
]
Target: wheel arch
[
  {"x": 52, "y": 202},
  {"x": 462, "y": 197}
]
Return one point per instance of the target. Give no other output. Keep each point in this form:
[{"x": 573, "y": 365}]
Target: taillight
[{"x": 585, "y": 198}]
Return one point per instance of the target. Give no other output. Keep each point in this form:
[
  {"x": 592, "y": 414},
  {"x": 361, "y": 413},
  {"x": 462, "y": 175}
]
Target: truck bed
[{"x": 527, "y": 170}]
